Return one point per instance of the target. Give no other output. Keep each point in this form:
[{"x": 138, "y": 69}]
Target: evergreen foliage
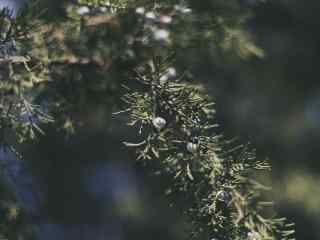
[
  {"x": 216, "y": 175},
  {"x": 54, "y": 70}
]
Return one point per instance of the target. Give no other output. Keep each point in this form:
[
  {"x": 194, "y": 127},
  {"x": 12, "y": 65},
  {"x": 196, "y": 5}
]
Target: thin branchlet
[{"x": 216, "y": 175}]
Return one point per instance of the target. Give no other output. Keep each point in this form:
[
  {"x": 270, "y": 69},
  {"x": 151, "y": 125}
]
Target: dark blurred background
[{"x": 272, "y": 102}]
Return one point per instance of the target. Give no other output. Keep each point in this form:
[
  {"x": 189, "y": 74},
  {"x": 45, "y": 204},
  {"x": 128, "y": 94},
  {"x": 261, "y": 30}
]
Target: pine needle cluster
[{"x": 176, "y": 123}]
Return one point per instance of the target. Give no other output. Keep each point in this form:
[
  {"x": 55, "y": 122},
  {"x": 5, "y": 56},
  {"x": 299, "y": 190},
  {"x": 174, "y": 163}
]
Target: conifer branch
[{"x": 226, "y": 203}]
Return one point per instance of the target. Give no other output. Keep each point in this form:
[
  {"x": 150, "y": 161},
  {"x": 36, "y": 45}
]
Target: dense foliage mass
[{"x": 54, "y": 69}]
